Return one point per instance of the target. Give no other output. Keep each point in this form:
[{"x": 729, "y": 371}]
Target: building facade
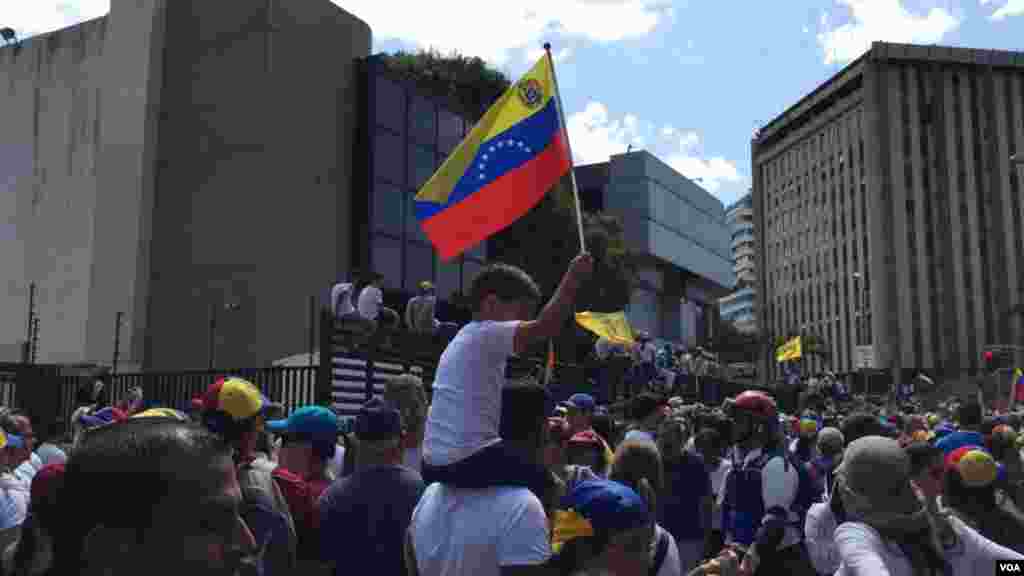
[
  {"x": 180, "y": 164},
  {"x": 888, "y": 211},
  {"x": 739, "y": 307},
  {"x": 677, "y": 232},
  {"x": 404, "y": 136}
]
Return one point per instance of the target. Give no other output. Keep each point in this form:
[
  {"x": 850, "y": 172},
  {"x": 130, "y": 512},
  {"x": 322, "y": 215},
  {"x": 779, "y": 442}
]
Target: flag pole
[
  {"x": 548, "y": 365},
  {"x": 568, "y": 146}
]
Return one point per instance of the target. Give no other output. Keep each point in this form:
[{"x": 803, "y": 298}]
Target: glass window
[
  {"x": 390, "y": 105},
  {"x": 422, "y": 120},
  {"x": 449, "y": 130},
  {"x": 449, "y": 278},
  {"x": 388, "y": 209},
  {"x": 387, "y": 259},
  {"x": 413, "y": 230},
  {"x": 469, "y": 271},
  {"x": 422, "y": 164},
  {"x": 419, "y": 264},
  {"x": 389, "y": 157}
]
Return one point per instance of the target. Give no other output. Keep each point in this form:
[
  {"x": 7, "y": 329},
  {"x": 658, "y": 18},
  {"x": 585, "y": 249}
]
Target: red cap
[
  {"x": 587, "y": 437},
  {"x": 47, "y": 480}
]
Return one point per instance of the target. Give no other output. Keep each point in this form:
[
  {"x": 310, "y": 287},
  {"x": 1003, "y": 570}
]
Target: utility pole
[
  {"x": 213, "y": 336},
  {"x": 117, "y": 342},
  {"x": 27, "y": 353}
]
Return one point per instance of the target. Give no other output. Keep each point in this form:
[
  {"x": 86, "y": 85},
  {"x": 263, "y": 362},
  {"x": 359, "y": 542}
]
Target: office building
[
  {"x": 888, "y": 211},
  {"x": 676, "y": 232},
  {"x": 404, "y": 136},
  {"x": 186, "y": 163},
  {"x": 738, "y": 308}
]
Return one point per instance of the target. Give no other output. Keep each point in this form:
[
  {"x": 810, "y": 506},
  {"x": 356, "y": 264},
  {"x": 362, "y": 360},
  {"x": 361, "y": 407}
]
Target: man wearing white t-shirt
[
  {"x": 461, "y": 445},
  {"x": 371, "y": 304},
  {"x": 495, "y": 531}
]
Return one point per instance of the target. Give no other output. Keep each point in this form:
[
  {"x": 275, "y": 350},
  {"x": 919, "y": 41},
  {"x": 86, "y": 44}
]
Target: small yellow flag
[
  {"x": 612, "y": 326},
  {"x": 791, "y": 350}
]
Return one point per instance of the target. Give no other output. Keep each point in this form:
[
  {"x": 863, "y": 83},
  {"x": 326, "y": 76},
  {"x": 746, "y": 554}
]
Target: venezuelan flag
[{"x": 501, "y": 170}]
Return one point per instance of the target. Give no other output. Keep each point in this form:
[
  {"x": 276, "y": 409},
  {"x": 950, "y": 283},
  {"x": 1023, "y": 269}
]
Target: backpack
[
  {"x": 266, "y": 513},
  {"x": 808, "y": 490},
  {"x": 660, "y": 551}
]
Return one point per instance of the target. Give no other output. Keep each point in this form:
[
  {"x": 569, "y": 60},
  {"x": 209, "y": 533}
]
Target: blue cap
[
  {"x": 608, "y": 505},
  {"x": 582, "y": 402},
  {"x": 377, "y": 421},
  {"x": 316, "y": 422}
]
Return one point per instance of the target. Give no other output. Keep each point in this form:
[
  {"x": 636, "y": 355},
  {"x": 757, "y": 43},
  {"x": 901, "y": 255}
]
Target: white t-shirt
[
  {"x": 820, "y": 538},
  {"x": 862, "y": 552},
  {"x": 341, "y": 299},
  {"x": 465, "y": 414},
  {"x": 463, "y": 532},
  {"x": 370, "y": 300},
  {"x": 671, "y": 565}
]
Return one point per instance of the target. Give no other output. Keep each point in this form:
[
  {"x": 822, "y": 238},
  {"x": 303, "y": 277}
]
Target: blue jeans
[{"x": 495, "y": 465}]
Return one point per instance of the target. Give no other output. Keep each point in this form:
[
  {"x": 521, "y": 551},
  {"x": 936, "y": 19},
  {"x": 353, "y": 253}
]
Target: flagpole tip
[{"x": 547, "y": 46}]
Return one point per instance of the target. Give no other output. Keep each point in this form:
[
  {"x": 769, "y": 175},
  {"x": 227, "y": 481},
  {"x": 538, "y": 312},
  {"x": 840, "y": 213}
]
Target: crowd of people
[{"x": 487, "y": 475}]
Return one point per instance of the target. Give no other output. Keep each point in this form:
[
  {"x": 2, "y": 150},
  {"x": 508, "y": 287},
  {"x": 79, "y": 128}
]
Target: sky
[{"x": 687, "y": 80}]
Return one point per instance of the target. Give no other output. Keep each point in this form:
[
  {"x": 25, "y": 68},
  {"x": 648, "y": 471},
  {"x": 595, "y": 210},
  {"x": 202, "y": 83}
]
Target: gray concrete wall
[
  {"x": 51, "y": 90},
  {"x": 254, "y": 173}
]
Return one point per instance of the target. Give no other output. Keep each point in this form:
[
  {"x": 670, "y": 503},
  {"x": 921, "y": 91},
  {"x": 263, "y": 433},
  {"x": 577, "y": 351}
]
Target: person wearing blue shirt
[{"x": 969, "y": 415}]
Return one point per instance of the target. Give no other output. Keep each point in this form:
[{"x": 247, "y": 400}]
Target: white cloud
[
  {"x": 1010, "y": 8},
  {"x": 492, "y": 30},
  {"x": 884, "y": 20},
  {"x": 560, "y": 56},
  {"x": 596, "y": 135},
  {"x": 41, "y": 16}
]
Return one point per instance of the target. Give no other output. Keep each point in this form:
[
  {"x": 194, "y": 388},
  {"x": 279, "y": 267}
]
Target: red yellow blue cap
[{"x": 238, "y": 398}]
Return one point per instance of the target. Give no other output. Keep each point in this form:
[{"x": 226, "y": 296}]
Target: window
[
  {"x": 413, "y": 230},
  {"x": 419, "y": 264},
  {"x": 449, "y": 131},
  {"x": 390, "y": 105},
  {"x": 449, "y": 278},
  {"x": 388, "y": 158},
  {"x": 387, "y": 260},
  {"x": 423, "y": 121},
  {"x": 388, "y": 209},
  {"x": 421, "y": 165}
]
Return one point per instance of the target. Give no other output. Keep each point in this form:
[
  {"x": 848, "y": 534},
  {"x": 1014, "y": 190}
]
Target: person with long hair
[
  {"x": 638, "y": 463},
  {"x": 685, "y": 501},
  {"x": 970, "y": 493},
  {"x": 889, "y": 529}
]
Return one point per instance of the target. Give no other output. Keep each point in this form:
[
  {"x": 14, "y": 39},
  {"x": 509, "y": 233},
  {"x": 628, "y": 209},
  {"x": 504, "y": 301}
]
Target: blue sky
[{"x": 688, "y": 80}]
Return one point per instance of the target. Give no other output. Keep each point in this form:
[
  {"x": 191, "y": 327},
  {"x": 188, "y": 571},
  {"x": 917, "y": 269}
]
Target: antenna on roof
[{"x": 629, "y": 149}]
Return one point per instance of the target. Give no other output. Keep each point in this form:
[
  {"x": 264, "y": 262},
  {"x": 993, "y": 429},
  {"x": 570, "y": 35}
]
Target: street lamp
[{"x": 862, "y": 322}]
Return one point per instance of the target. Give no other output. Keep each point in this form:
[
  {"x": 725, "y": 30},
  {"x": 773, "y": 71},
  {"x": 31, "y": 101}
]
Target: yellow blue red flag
[
  {"x": 502, "y": 169},
  {"x": 791, "y": 350}
]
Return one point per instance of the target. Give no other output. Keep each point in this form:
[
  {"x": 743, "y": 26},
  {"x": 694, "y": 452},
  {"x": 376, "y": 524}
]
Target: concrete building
[
  {"x": 888, "y": 212},
  {"x": 739, "y": 307},
  {"x": 156, "y": 161},
  {"x": 678, "y": 233}
]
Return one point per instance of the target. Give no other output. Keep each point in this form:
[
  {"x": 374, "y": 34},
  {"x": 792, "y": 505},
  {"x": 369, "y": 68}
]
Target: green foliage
[{"x": 466, "y": 83}]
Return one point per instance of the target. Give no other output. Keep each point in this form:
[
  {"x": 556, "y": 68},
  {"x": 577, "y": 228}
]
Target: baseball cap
[
  {"x": 581, "y": 402},
  {"x": 598, "y": 506},
  {"x": 107, "y": 415},
  {"x": 808, "y": 427},
  {"x": 313, "y": 421},
  {"x": 12, "y": 440},
  {"x": 236, "y": 397},
  {"x": 426, "y": 285},
  {"x": 976, "y": 466},
  {"x": 161, "y": 413},
  {"x": 46, "y": 481},
  {"x": 377, "y": 421},
  {"x": 586, "y": 438}
]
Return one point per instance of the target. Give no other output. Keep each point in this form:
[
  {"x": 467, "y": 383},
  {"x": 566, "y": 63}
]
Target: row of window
[
  {"x": 425, "y": 123},
  {"x": 406, "y": 264}
]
